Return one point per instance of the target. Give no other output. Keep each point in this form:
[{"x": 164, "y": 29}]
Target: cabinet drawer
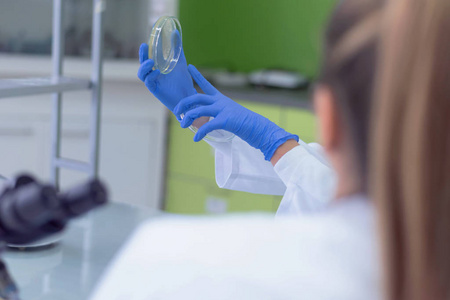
[
  {"x": 247, "y": 202},
  {"x": 190, "y": 196},
  {"x": 187, "y": 157},
  {"x": 16, "y": 132},
  {"x": 21, "y": 148}
]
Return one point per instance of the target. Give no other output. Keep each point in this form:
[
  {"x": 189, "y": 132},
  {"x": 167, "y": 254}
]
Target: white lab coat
[
  {"x": 303, "y": 175},
  {"x": 328, "y": 253}
]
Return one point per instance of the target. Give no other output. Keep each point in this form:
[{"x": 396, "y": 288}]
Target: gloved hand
[
  {"x": 256, "y": 130},
  {"x": 168, "y": 88}
]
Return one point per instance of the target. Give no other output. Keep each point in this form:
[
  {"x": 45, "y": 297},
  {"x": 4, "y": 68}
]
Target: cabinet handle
[
  {"x": 75, "y": 134},
  {"x": 16, "y": 132}
]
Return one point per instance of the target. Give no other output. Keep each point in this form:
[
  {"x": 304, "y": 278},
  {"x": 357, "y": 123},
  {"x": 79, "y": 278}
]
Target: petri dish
[
  {"x": 165, "y": 46},
  {"x": 165, "y": 43}
]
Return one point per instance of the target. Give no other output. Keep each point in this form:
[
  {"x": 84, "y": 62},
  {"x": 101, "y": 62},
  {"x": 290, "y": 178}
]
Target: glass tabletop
[{"x": 71, "y": 268}]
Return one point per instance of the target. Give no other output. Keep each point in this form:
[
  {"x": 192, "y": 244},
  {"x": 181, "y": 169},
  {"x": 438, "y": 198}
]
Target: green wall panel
[{"x": 245, "y": 35}]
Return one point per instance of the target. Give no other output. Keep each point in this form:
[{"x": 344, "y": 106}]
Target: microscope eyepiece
[{"x": 83, "y": 198}]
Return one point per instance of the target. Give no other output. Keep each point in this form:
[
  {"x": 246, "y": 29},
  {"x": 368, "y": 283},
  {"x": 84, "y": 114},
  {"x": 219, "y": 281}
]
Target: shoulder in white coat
[{"x": 326, "y": 255}]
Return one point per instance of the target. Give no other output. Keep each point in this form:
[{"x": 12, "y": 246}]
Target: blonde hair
[
  {"x": 388, "y": 65},
  {"x": 410, "y": 161}
]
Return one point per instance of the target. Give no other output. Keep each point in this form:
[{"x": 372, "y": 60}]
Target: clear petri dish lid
[{"x": 165, "y": 44}]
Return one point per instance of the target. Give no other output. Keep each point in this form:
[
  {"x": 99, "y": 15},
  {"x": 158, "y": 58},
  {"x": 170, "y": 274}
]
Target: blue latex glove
[
  {"x": 256, "y": 130},
  {"x": 168, "y": 88}
]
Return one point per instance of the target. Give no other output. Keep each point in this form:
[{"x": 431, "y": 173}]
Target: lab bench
[
  {"x": 190, "y": 182},
  {"x": 71, "y": 269}
]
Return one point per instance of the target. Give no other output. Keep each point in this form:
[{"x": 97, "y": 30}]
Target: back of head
[
  {"x": 349, "y": 68},
  {"x": 410, "y": 157},
  {"x": 401, "y": 134}
]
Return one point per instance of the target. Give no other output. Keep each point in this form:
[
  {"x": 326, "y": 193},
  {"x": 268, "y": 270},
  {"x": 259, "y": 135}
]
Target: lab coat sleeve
[
  {"x": 240, "y": 167},
  {"x": 308, "y": 177}
]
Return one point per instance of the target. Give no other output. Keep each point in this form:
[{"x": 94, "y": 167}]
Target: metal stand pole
[
  {"x": 99, "y": 7},
  {"x": 57, "y": 56}
]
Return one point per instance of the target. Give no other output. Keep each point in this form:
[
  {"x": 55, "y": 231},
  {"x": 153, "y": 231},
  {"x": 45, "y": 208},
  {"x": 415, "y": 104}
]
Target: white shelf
[
  {"x": 19, "y": 65},
  {"x": 73, "y": 164},
  {"x": 41, "y": 85}
]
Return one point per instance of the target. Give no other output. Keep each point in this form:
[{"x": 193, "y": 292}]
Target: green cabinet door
[
  {"x": 187, "y": 157},
  {"x": 188, "y": 196},
  {"x": 300, "y": 122}
]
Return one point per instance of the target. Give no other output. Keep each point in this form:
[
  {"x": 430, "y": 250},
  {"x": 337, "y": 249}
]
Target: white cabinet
[
  {"x": 20, "y": 146},
  {"x": 132, "y": 148},
  {"x": 132, "y": 165}
]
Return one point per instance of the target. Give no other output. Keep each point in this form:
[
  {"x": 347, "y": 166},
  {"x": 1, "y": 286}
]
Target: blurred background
[{"x": 264, "y": 54}]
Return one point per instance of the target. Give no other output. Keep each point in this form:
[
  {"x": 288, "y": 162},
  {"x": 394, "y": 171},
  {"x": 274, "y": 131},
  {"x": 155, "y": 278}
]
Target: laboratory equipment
[
  {"x": 30, "y": 211},
  {"x": 165, "y": 48},
  {"x": 164, "y": 45}
]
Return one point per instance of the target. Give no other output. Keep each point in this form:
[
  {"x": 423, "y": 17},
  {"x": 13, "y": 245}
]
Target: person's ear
[{"x": 330, "y": 131}]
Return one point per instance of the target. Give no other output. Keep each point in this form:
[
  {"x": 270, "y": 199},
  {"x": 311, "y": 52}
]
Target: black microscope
[{"x": 31, "y": 210}]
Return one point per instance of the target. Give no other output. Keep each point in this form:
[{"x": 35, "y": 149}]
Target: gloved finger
[
  {"x": 191, "y": 102},
  {"x": 204, "y": 84},
  {"x": 143, "y": 53},
  {"x": 150, "y": 81},
  {"x": 207, "y": 128},
  {"x": 145, "y": 69},
  {"x": 194, "y": 114}
]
